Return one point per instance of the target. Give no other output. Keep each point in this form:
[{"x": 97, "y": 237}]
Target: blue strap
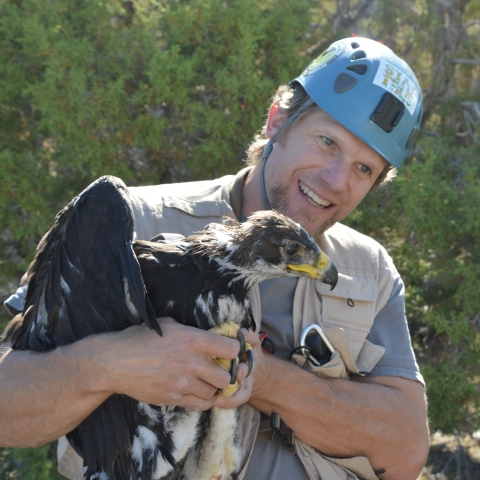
[
  {"x": 263, "y": 191},
  {"x": 268, "y": 150}
]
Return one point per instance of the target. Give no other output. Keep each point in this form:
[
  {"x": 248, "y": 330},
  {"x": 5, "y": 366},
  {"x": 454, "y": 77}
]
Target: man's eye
[
  {"x": 364, "y": 169},
  {"x": 328, "y": 141}
]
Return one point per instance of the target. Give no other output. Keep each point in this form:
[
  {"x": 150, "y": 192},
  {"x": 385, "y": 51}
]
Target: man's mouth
[{"x": 312, "y": 197}]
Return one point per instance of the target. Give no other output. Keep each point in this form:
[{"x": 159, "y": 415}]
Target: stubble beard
[{"x": 278, "y": 201}]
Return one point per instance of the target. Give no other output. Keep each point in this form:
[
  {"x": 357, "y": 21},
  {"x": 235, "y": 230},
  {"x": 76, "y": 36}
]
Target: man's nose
[{"x": 336, "y": 174}]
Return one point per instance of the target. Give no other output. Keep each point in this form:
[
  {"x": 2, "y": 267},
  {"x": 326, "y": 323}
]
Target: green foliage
[
  {"x": 150, "y": 92},
  {"x": 29, "y": 463},
  {"x": 445, "y": 183}
]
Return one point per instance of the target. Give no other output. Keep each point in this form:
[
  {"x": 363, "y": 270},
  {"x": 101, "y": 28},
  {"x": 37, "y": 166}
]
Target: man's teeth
[{"x": 313, "y": 196}]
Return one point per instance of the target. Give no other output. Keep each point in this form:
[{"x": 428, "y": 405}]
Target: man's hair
[{"x": 290, "y": 99}]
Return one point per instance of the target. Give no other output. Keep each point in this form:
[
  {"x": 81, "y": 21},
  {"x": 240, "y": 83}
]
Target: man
[{"x": 331, "y": 137}]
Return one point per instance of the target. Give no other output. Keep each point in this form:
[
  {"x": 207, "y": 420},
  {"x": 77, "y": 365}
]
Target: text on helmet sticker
[
  {"x": 397, "y": 83},
  {"x": 326, "y": 58}
]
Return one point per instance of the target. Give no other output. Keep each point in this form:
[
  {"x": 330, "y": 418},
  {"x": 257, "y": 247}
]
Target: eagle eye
[{"x": 291, "y": 249}]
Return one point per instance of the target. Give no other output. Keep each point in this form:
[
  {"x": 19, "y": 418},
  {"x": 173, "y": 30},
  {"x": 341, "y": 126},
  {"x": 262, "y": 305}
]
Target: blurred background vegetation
[{"x": 157, "y": 91}]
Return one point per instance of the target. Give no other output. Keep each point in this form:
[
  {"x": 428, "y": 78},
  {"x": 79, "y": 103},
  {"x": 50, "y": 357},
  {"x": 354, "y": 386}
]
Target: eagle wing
[
  {"x": 173, "y": 275},
  {"x": 185, "y": 282},
  {"x": 85, "y": 278}
]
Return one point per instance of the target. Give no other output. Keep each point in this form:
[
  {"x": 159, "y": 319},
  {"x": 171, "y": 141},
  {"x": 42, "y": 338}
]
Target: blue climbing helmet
[{"x": 373, "y": 93}]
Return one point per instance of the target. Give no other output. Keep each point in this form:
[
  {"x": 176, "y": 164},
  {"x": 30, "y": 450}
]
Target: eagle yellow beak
[{"x": 323, "y": 270}]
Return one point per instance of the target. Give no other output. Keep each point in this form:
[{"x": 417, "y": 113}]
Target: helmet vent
[
  {"x": 355, "y": 45},
  {"x": 358, "y": 55},
  {"x": 344, "y": 82},
  {"x": 360, "y": 68}
]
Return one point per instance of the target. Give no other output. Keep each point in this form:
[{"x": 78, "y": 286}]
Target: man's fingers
[
  {"x": 200, "y": 341},
  {"x": 199, "y": 388},
  {"x": 251, "y": 337},
  {"x": 242, "y": 371},
  {"x": 212, "y": 374},
  {"x": 221, "y": 347}
]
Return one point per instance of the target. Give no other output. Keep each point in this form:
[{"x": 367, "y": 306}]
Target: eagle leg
[
  {"x": 227, "y": 329},
  {"x": 232, "y": 330}
]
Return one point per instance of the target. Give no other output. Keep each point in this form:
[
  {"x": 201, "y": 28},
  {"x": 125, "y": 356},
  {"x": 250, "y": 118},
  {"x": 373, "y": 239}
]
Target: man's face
[{"x": 320, "y": 172}]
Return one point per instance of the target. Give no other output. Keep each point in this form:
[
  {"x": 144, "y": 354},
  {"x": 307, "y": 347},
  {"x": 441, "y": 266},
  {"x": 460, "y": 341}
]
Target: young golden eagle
[{"x": 89, "y": 276}]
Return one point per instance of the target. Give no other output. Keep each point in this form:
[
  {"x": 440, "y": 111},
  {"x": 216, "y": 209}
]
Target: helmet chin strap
[
  {"x": 263, "y": 191},
  {"x": 268, "y": 150}
]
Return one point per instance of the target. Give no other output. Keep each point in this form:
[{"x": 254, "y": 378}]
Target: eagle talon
[
  {"x": 233, "y": 371},
  {"x": 249, "y": 357},
  {"x": 241, "y": 339}
]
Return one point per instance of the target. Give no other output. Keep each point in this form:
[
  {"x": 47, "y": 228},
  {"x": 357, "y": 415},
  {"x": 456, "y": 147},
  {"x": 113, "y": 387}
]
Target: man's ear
[{"x": 276, "y": 118}]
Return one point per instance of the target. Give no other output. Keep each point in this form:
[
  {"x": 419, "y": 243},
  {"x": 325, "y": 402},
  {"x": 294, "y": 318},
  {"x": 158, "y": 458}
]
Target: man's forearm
[
  {"x": 344, "y": 418},
  {"x": 45, "y": 395}
]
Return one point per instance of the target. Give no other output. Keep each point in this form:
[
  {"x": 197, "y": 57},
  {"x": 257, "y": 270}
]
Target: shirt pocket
[
  {"x": 350, "y": 306},
  {"x": 334, "y": 368}
]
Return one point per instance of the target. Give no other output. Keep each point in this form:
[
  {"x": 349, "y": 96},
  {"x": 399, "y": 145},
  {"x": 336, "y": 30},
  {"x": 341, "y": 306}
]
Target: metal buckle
[
  {"x": 276, "y": 424},
  {"x": 315, "y": 345}
]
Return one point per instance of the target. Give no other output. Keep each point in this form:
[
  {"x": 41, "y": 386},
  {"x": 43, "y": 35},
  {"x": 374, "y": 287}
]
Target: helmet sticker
[
  {"x": 326, "y": 58},
  {"x": 397, "y": 83}
]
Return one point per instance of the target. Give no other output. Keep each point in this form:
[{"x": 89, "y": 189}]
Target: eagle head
[{"x": 270, "y": 245}]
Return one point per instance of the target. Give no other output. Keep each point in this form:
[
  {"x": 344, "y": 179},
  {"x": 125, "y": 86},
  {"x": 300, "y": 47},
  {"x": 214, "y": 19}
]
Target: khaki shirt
[{"x": 365, "y": 281}]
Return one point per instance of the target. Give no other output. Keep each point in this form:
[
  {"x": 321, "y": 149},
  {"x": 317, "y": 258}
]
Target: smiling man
[
  {"x": 318, "y": 175},
  {"x": 332, "y": 135}
]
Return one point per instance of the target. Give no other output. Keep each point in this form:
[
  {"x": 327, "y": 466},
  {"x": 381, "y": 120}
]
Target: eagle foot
[{"x": 245, "y": 354}]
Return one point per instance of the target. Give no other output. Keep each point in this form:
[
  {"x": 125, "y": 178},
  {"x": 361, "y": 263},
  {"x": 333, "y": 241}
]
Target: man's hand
[{"x": 176, "y": 369}]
